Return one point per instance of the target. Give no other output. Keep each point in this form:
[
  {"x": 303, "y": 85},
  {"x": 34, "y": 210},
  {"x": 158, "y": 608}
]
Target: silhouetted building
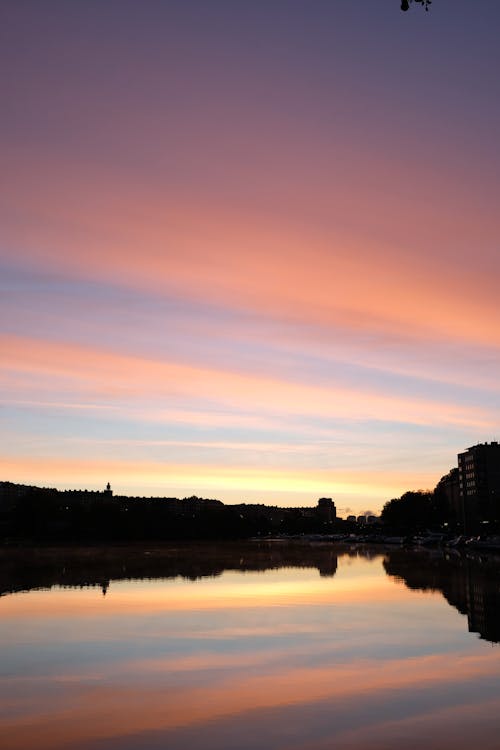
[
  {"x": 41, "y": 513},
  {"x": 84, "y": 497},
  {"x": 479, "y": 483},
  {"x": 9, "y": 494},
  {"x": 326, "y": 509},
  {"x": 12, "y": 494}
]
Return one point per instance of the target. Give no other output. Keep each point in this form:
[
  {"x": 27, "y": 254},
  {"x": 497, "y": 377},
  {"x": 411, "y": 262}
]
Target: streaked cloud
[{"x": 216, "y": 248}]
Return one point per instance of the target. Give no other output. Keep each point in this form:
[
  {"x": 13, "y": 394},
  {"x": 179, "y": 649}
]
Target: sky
[{"x": 248, "y": 250}]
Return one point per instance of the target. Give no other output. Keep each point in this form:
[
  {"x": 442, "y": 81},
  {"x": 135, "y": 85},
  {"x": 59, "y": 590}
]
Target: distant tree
[
  {"x": 412, "y": 511},
  {"x": 405, "y": 4}
]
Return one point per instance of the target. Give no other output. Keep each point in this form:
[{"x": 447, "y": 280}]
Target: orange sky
[{"x": 250, "y": 236}]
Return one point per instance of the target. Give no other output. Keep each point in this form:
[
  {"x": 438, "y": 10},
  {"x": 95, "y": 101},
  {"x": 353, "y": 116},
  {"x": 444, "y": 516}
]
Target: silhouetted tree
[{"x": 413, "y": 511}]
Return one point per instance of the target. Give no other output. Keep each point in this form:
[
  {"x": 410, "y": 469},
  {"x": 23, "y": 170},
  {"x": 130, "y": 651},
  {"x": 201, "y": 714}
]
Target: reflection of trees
[
  {"x": 25, "y": 569},
  {"x": 469, "y": 584}
]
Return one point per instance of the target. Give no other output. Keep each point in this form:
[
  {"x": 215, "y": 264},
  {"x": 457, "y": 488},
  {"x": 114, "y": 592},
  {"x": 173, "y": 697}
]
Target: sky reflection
[{"x": 281, "y": 658}]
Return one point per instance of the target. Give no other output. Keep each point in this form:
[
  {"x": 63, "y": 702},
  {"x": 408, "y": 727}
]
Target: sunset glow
[{"x": 247, "y": 250}]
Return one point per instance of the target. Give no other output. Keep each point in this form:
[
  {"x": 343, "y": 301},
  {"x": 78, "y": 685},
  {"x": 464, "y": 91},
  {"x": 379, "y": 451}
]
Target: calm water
[{"x": 277, "y": 648}]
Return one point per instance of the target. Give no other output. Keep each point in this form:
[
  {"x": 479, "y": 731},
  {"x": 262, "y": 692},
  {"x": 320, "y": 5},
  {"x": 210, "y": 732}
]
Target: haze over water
[{"x": 249, "y": 648}]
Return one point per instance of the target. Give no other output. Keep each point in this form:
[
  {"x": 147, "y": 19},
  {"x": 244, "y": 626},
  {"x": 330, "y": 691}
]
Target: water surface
[{"x": 242, "y": 647}]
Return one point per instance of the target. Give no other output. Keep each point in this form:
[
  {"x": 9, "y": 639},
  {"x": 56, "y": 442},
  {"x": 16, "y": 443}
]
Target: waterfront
[{"x": 288, "y": 647}]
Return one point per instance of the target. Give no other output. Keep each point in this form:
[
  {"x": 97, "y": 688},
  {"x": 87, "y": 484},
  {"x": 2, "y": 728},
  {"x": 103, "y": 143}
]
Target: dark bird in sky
[{"x": 405, "y": 4}]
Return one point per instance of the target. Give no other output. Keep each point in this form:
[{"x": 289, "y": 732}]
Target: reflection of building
[
  {"x": 23, "y": 569},
  {"x": 479, "y": 483},
  {"x": 328, "y": 565},
  {"x": 480, "y": 598},
  {"x": 469, "y": 585},
  {"x": 483, "y": 608}
]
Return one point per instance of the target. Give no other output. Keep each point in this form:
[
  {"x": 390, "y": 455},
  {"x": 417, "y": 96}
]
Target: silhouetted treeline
[
  {"x": 416, "y": 511},
  {"x": 426, "y": 509}
]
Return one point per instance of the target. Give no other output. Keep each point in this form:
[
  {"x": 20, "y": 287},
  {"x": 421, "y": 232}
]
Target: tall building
[
  {"x": 479, "y": 484},
  {"x": 326, "y": 509}
]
